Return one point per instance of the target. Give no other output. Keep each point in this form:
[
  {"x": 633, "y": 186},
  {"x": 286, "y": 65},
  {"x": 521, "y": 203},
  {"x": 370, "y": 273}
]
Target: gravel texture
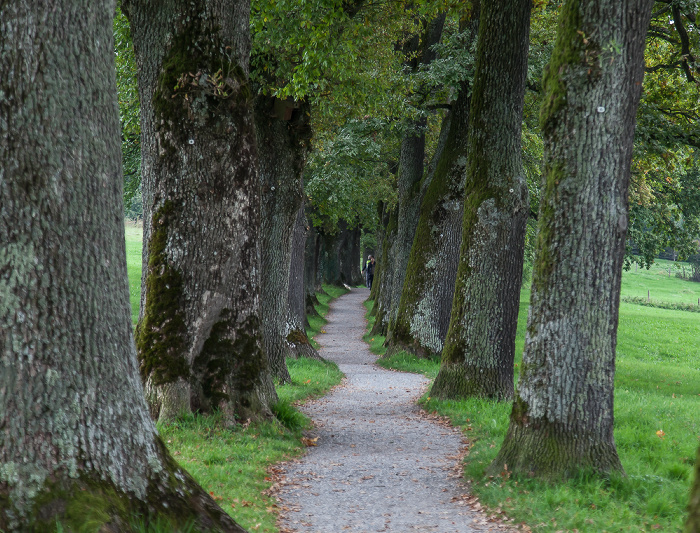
[{"x": 379, "y": 464}]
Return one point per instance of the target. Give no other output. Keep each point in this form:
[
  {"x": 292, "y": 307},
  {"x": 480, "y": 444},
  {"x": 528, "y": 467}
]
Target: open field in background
[{"x": 657, "y": 390}]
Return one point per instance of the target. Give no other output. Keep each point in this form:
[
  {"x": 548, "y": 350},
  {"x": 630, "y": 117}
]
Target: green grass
[
  {"x": 316, "y": 323},
  {"x": 235, "y": 464},
  {"x": 660, "y": 284},
  {"x": 657, "y": 388},
  {"x": 133, "y": 266}
]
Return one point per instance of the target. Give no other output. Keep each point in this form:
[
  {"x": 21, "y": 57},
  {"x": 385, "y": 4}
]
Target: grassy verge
[
  {"x": 236, "y": 464},
  {"x": 316, "y": 323},
  {"x": 657, "y": 399}
]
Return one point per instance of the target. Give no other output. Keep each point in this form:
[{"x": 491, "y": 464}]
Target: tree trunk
[
  {"x": 383, "y": 274},
  {"x": 426, "y": 300},
  {"x": 297, "y": 322},
  {"x": 479, "y": 349},
  {"x": 411, "y": 167},
  {"x": 283, "y": 131},
  {"x": 311, "y": 258},
  {"x": 329, "y": 259},
  {"x": 199, "y": 338},
  {"x": 77, "y": 445},
  {"x": 562, "y": 418},
  {"x": 356, "y": 277}
]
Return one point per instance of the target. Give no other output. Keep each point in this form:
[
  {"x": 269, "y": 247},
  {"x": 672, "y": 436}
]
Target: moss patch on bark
[{"x": 160, "y": 336}]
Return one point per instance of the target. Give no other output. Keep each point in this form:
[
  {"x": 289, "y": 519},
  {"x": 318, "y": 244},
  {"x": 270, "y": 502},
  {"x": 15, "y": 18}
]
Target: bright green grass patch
[
  {"x": 134, "y": 236},
  {"x": 660, "y": 284},
  {"x": 376, "y": 342},
  {"x": 657, "y": 389},
  {"x": 232, "y": 463}
]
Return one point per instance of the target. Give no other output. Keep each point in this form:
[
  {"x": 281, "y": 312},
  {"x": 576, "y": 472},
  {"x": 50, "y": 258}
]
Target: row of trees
[{"x": 225, "y": 142}]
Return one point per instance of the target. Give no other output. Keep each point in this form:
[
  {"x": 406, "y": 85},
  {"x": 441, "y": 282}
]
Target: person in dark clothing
[{"x": 370, "y": 271}]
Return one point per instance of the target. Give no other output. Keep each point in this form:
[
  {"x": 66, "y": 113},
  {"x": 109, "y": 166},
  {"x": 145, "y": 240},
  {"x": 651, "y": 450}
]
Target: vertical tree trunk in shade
[
  {"x": 692, "y": 525},
  {"x": 356, "y": 277},
  {"x": 200, "y": 337},
  {"x": 426, "y": 300},
  {"x": 348, "y": 253},
  {"x": 77, "y": 444},
  {"x": 311, "y": 258},
  {"x": 562, "y": 417},
  {"x": 283, "y": 132},
  {"x": 410, "y": 174},
  {"x": 383, "y": 274},
  {"x": 477, "y": 358},
  {"x": 296, "y": 335},
  {"x": 329, "y": 260}
]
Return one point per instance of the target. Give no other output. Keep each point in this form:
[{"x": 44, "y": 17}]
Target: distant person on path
[
  {"x": 370, "y": 272},
  {"x": 364, "y": 270}
]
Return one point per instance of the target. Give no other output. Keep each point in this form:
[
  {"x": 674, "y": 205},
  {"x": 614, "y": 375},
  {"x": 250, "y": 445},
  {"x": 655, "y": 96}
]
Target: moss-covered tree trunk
[
  {"x": 283, "y": 131},
  {"x": 297, "y": 321},
  {"x": 411, "y": 170},
  {"x": 426, "y": 300},
  {"x": 199, "y": 338},
  {"x": 562, "y": 418},
  {"x": 477, "y": 358},
  {"x": 77, "y": 445}
]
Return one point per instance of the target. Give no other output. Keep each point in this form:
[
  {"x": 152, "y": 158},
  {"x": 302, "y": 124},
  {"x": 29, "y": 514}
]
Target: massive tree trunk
[
  {"x": 77, "y": 445},
  {"x": 478, "y": 355},
  {"x": 297, "y": 321},
  {"x": 283, "y": 131},
  {"x": 562, "y": 418},
  {"x": 410, "y": 174},
  {"x": 199, "y": 338}
]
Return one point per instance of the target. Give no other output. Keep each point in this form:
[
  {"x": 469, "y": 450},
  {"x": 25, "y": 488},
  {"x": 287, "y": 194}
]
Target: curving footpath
[{"x": 378, "y": 463}]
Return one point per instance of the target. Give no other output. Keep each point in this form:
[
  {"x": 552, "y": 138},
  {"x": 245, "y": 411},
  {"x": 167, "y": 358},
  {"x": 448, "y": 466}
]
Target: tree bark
[
  {"x": 296, "y": 335},
  {"x": 77, "y": 445},
  {"x": 410, "y": 174},
  {"x": 311, "y": 259},
  {"x": 199, "y": 338},
  {"x": 479, "y": 349},
  {"x": 562, "y": 418},
  {"x": 426, "y": 300},
  {"x": 283, "y": 132},
  {"x": 384, "y": 272},
  {"x": 355, "y": 258}
]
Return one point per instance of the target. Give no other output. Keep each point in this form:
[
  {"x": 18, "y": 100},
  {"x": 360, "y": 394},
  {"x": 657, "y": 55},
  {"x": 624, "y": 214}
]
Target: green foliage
[{"x": 129, "y": 114}]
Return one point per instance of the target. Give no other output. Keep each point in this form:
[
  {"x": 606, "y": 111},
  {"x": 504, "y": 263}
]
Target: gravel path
[{"x": 379, "y": 464}]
